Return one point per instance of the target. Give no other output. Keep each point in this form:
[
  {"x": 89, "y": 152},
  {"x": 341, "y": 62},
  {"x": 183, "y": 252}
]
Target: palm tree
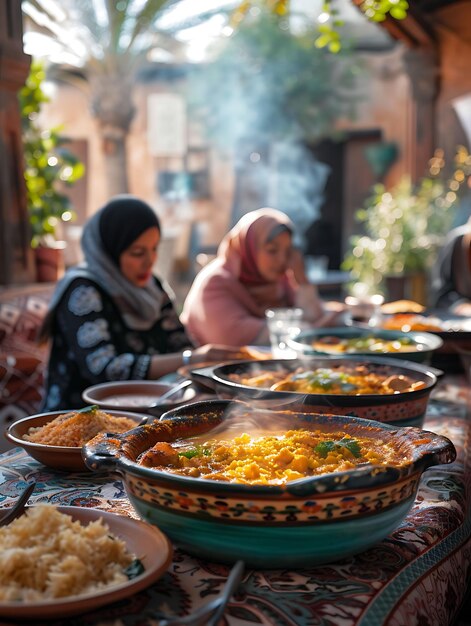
[{"x": 103, "y": 46}]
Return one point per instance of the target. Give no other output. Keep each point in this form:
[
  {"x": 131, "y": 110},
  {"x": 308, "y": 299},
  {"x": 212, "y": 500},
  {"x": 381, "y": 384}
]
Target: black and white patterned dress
[{"x": 91, "y": 344}]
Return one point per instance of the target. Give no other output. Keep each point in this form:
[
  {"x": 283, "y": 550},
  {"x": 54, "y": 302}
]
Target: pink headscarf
[
  {"x": 227, "y": 301},
  {"x": 238, "y": 251}
]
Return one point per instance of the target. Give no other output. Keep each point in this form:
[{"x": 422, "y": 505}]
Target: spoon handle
[
  {"x": 171, "y": 392},
  {"x": 231, "y": 585},
  {"x": 18, "y": 508}
]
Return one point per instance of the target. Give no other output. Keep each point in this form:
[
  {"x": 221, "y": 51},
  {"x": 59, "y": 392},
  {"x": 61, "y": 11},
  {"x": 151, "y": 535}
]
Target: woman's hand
[
  {"x": 162, "y": 364},
  {"x": 217, "y": 353}
]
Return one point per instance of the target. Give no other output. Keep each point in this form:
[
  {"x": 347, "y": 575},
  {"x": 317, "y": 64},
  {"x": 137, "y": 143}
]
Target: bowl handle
[
  {"x": 101, "y": 454},
  {"x": 204, "y": 376},
  {"x": 434, "y": 370}
]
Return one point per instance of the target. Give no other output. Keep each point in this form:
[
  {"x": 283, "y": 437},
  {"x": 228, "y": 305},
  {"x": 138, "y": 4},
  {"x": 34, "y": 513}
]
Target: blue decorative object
[{"x": 381, "y": 156}]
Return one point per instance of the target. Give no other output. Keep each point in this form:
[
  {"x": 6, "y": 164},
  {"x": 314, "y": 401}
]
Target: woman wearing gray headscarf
[{"x": 111, "y": 318}]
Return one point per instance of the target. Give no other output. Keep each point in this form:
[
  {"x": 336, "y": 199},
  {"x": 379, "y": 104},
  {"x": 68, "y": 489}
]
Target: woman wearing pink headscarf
[{"x": 256, "y": 268}]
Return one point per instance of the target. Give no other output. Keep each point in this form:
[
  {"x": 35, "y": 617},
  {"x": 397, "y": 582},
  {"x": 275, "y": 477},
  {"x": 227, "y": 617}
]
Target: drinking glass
[
  {"x": 283, "y": 324},
  {"x": 365, "y": 309}
]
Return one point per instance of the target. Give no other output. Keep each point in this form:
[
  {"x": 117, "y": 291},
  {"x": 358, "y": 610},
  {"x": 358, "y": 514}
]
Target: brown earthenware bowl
[
  {"x": 154, "y": 550},
  {"x": 65, "y": 458},
  {"x": 405, "y": 408}
]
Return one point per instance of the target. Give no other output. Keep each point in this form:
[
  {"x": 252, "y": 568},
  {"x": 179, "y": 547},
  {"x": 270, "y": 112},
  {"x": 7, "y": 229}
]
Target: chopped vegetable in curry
[
  {"x": 351, "y": 381},
  {"x": 270, "y": 459}
]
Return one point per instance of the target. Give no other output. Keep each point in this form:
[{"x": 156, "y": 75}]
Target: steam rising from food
[{"x": 260, "y": 447}]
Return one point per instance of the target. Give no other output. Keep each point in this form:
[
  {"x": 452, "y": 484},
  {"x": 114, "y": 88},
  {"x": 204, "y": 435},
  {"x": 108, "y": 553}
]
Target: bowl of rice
[
  {"x": 56, "y": 438},
  {"x": 60, "y": 561}
]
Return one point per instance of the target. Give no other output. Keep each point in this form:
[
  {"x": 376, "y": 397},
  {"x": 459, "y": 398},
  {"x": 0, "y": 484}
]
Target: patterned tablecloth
[{"x": 416, "y": 577}]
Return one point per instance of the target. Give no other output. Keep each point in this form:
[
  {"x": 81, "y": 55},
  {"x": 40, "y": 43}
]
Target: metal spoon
[
  {"x": 18, "y": 508},
  {"x": 168, "y": 394},
  {"x": 214, "y": 608},
  {"x": 233, "y": 580}
]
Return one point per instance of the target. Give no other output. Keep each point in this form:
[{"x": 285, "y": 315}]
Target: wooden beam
[{"x": 414, "y": 31}]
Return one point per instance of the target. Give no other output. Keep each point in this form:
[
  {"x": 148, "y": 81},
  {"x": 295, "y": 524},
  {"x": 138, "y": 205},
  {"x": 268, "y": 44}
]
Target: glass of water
[{"x": 283, "y": 324}]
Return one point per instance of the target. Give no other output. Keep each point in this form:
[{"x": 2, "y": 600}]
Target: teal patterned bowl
[{"x": 308, "y": 521}]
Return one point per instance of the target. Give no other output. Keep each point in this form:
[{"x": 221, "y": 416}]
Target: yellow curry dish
[
  {"x": 270, "y": 459},
  {"x": 353, "y": 381}
]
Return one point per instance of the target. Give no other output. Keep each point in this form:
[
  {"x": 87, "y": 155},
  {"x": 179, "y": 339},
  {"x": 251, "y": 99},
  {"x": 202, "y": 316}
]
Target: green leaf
[
  {"x": 196, "y": 451},
  {"x": 335, "y": 47},
  {"x": 322, "y": 41},
  {"x": 89, "y": 409},
  {"x": 324, "y": 447},
  {"x": 398, "y": 13}
]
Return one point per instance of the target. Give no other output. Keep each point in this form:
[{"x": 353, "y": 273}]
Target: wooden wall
[{"x": 15, "y": 252}]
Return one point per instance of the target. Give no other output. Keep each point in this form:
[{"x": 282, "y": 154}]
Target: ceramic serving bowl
[
  {"x": 454, "y": 330},
  {"x": 139, "y": 395},
  {"x": 308, "y": 521},
  {"x": 154, "y": 550},
  {"x": 65, "y": 458},
  {"x": 400, "y": 409},
  {"x": 416, "y": 346}
]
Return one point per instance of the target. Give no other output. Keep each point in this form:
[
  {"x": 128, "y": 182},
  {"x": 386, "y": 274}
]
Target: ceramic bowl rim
[
  {"x": 393, "y": 474},
  {"x": 394, "y": 363},
  {"x": 24, "y": 443},
  {"x": 432, "y": 342},
  {"x": 116, "y": 384}
]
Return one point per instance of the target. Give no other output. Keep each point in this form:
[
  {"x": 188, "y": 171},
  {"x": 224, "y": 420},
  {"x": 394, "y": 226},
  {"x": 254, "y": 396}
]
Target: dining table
[{"x": 416, "y": 576}]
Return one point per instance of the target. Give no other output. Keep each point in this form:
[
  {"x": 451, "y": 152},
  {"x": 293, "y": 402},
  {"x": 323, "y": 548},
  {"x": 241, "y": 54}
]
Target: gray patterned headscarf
[{"x": 139, "y": 306}]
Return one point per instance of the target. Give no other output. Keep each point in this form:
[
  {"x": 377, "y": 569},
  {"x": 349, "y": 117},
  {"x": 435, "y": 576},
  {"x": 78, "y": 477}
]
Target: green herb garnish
[
  {"x": 134, "y": 569},
  {"x": 89, "y": 409},
  {"x": 196, "y": 451},
  {"x": 325, "y": 379},
  {"x": 324, "y": 447}
]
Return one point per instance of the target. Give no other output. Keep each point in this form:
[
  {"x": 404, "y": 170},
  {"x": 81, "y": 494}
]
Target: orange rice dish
[{"x": 74, "y": 429}]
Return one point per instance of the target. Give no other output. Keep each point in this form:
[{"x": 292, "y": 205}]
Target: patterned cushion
[
  {"x": 22, "y": 312},
  {"x": 22, "y": 359}
]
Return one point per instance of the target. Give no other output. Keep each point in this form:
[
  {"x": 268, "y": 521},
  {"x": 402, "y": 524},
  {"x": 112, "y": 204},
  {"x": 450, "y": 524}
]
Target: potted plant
[
  {"x": 49, "y": 168},
  {"x": 403, "y": 229}
]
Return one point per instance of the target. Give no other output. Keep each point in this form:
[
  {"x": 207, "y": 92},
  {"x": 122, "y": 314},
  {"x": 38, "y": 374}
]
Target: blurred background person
[
  {"x": 256, "y": 268},
  {"x": 451, "y": 276}
]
